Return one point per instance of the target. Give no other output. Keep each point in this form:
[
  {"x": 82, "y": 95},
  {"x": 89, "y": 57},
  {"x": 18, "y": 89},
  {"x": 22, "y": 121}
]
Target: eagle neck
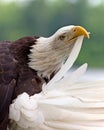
[{"x": 46, "y": 58}]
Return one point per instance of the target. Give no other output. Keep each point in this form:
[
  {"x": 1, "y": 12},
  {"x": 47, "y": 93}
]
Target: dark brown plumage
[{"x": 15, "y": 75}]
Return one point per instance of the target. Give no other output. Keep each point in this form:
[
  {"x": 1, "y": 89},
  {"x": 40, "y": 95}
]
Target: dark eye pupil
[
  {"x": 62, "y": 37},
  {"x": 75, "y": 30}
]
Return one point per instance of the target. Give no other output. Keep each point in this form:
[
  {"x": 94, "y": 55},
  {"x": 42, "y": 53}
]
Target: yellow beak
[{"x": 78, "y": 31}]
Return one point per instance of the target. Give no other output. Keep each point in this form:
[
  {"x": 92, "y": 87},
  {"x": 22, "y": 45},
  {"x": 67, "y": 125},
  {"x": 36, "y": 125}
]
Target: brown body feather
[{"x": 15, "y": 75}]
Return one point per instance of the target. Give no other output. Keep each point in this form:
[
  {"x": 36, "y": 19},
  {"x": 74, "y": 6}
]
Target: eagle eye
[{"x": 62, "y": 37}]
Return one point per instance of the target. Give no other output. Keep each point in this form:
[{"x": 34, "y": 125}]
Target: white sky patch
[{"x": 95, "y": 2}]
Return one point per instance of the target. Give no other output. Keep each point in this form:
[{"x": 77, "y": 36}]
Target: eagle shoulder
[{"x": 28, "y": 80}]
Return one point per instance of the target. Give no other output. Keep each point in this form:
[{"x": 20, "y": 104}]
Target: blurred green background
[{"x": 20, "y": 18}]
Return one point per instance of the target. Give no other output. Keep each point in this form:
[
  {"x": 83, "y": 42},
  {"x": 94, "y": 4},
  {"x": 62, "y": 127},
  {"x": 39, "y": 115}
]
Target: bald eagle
[
  {"x": 65, "y": 103},
  {"x": 26, "y": 64}
]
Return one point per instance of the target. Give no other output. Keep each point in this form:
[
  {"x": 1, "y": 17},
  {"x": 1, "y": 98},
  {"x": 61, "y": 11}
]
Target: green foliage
[{"x": 44, "y": 17}]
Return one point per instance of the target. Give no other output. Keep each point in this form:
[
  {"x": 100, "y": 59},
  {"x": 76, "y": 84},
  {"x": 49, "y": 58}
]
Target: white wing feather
[{"x": 63, "y": 104}]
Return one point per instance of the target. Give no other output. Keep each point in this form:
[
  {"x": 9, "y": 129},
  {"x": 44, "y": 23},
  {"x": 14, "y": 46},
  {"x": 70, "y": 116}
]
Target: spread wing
[
  {"x": 69, "y": 105},
  {"x": 7, "y": 82}
]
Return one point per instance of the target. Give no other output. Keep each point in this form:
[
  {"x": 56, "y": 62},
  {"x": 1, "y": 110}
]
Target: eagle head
[
  {"x": 48, "y": 54},
  {"x": 69, "y": 33}
]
